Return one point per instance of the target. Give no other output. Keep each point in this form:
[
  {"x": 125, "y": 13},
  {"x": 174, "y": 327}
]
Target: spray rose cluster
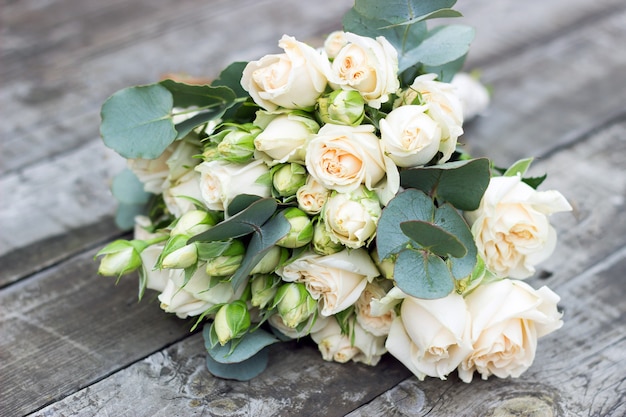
[{"x": 325, "y": 133}]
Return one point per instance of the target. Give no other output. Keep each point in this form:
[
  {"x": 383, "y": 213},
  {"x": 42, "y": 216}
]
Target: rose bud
[
  {"x": 228, "y": 262},
  {"x": 342, "y": 107},
  {"x": 270, "y": 261},
  {"x": 301, "y": 232},
  {"x": 288, "y": 178},
  {"x": 237, "y": 142},
  {"x": 323, "y": 244},
  {"x": 263, "y": 288},
  {"x": 192, "y": 223},
  {"x": 294, "y": 303},
  {"x": 231, "y": 321},
  {"x": 120, "y": 257},
  {"x": 180, "y": 258}
]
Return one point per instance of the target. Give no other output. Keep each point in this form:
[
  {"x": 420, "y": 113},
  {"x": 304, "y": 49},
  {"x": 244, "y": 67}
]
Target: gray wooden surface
[{"x": 74, "y": 344}]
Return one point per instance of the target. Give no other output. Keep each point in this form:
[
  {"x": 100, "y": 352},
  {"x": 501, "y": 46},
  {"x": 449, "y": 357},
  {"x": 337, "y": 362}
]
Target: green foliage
[
  {"x": 461, "y": 183},
  {"x": 243, "y": 362},
  {"x": 431, "y": 245},
  {"x": 128, "y": 190},
  {"x": 403, "y": 22}
]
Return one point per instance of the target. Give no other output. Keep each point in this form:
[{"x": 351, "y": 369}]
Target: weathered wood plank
[
  {"x": 65, "y": 328},
  {"x": 175, "y": 382}
]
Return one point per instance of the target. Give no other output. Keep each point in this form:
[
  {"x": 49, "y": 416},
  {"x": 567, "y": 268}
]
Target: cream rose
[
  {"x": 334, "y": 42},
  {"x": 284, "y": 136},
  {"x": 444, "y": 106},
  {"x": 197, "y": 295},
  {"x": 222, "y": 181},
  {"x": 336, "y": 280},
  {"x": 335, "y": 346},
  {"x": 312, "y": 196},
  {"x": 152, "y": 172},
  {"x": 292, "y": 80},
  {"x": 431, "y": 337},
  {"x": 351, "y": 218},
  {"x": 511, "y": 226},
  {"x": 342, "y": 158},
  {"x": 156, "y": 279},
  {"x": 176, "y": 194},
  {"x": 473, "y": 95},
  {"x": 376, "y": 324},
  {"x": 369, "y": 66},
  {"x": 507, "y": 318},
  {"x": 410, "y": 136}
]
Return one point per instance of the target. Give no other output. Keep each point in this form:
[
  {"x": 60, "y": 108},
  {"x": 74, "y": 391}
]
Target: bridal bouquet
[{"x": 322, "y": 193}]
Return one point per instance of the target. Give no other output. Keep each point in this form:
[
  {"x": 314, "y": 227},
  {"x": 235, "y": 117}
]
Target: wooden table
[{"x": 74, "y": 344}]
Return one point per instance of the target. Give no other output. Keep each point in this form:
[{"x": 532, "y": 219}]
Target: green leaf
[
  {"x": 422, "y": 275},
  {"x": 241, "y": 371},
  {"x": 433, "y": 238},
  {"x": 194, "y": 95},
  {"x": 241, "y": 224},
  {"x": 231, "y": 77},
  {"x": 263, "y": 239},
  {"x": 449, "y": 219},
  {"x": 240, "y": 202},
  {"x": 407, "y": 205},
  {"x": 446, "y": 72},
  {"x": 401, "y": 11},
  {"x": 247, "y": 346},
  {"x": 125, "y": 215},
  {"x": 127, "y": 188},
  {"x": 534, "y": 182},
  {"x": 210, "y": 250},
  {"x": 136, "y": 121},
  {"x": 442, "y": 45},
  {"x": 518, "y": 168},
  {"x": 461, "y": 183}
]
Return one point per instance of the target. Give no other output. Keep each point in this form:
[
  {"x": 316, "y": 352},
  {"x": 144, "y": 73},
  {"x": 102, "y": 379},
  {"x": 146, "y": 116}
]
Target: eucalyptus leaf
[
  {"x": 449, "y": 219},
  {"x": 127, "y": 189},
  {"x": 231, "y": 77},
  {"x": 405, "y": 206},
  {"x": 136, "y": 121},
  {"x": 241, "y": 371},
  {"x": 125, "y": 215},
  {"x": 445, "y": 72},
  {"x": 194, "y": 95},
  {"x": 247, "y": 346},
  {"x": 434, "y": 238},
  {"x": 400, "y": 11},
  {"x": 422, "y": 275},
  {"x": 241, "y": 224},
  {"x": 442, "y": 45},
  {"x": 263, "y": 239},
  {"x": 461, "y": 183},
  {"x": 186, "y": 126},
  {"x": 241, "y": 202}
]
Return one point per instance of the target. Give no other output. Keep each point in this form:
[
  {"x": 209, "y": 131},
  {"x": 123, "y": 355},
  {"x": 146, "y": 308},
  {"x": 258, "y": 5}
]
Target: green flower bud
[
  {"x": 480, "y": 275},
  {"x": 228, "y": 261},
  {"x": 192, "y": 223},
  {"x": 231, "y": 321},
  {"x": 288, "y": 178},
  {"x": 342, "y": 107},
  {"x": 180, "y": 258},
  {"x": 236, "y": 142},
  {"x": 263, "y": 288},
  {"x": 323, "y": 243},
  {"x": 294, "y": 303},
  {"x": 301, "y": 232},
  {"x": 120, "y": 257},
  {"x": 270, "y": 261},
  {"x": 385, "y": 266}
]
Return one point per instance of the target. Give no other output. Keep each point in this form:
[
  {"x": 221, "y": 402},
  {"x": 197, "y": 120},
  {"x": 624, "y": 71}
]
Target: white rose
[
  {"x": 336, "y": 280},
  {"x": 197, "y": 295},
  {"x": 312, "y": 196},
  {"x": 377, "y": 324},
  {"x": 342, "y": 158},
  {"x": 444, "y": 106},
  {"x": 364, "y": 347},
  {"x": 142, "y": 225},
  {"x": 221, "y": 181},
  {"x": 176, "y": 194},
  {"x": 284, "y": 136},
  {"x": 511, "y": 226},
  {"x": 334, "y": 42},
  {"x": 351, "y": 218},
  {"x": 293, "y": 80},
  {"x": 156, "y": 279},
  {"x": 369, "y": 66},
  {"x": 473, "y": 95},
  {"x": 431, "y": 337},
  {"x": 152, "y": 172},
  {"x": 507, "y": 318},
  {"x": 410, "y": 136}
]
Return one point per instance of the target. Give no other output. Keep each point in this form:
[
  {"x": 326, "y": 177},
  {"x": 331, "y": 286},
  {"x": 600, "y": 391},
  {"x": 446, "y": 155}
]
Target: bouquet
[{"x": 322, "y": 193}]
